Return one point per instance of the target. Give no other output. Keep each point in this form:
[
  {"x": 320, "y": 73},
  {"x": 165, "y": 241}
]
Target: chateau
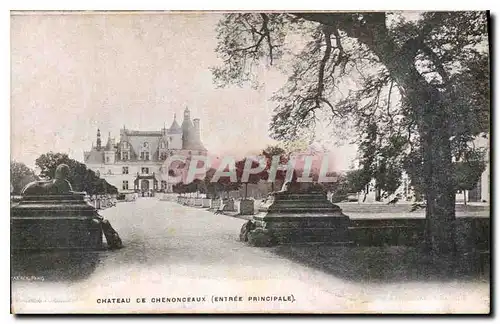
[{"x": 135, "y": 162}]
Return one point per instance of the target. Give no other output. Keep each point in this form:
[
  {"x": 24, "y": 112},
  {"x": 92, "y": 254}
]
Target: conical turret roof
[
  {"x": 175, "y": 125},
  {"x": 109, "y": 144}
]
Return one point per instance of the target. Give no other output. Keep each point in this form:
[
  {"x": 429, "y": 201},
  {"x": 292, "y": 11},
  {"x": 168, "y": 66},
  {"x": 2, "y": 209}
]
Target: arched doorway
[{"x": 144, "y": 185}]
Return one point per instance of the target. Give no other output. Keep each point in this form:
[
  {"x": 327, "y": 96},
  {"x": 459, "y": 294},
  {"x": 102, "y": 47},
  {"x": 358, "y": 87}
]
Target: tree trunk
[
  {"x": 432, "y": 116},
  {"x": 465, "y": 198},
  {"x": 246, "y": 188},
  {"x": 439, "y": 189}
]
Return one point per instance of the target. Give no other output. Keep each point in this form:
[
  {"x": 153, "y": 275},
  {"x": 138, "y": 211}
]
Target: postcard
[{"x": 168, "y": 162}]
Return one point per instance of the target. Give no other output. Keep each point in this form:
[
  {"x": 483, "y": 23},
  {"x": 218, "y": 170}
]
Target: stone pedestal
[
  {"x": 197, "y": 202},
  {"x": 48, "y": 222},
  {"x": 215, "y": 204},
  {"x": 205, "y": 202},
  {"x": 247, "y": 206},
  {"x": 228, "y": 205},
  {"x": 293, "y": 217}
]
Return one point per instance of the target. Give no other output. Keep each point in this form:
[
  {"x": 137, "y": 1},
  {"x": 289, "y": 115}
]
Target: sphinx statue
[
  {"x": 57, "y": 186},
  {"x": 60, "y": 186}
]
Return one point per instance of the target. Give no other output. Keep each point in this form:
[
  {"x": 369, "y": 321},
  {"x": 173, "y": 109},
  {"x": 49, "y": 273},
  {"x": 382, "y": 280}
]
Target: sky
[{"x": 74, "y": 73}]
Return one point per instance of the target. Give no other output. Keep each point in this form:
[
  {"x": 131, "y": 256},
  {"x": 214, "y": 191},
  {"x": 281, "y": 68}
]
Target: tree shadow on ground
[
  {"x": 387, "y": 264},
  {"x": 53, "y": 266}
]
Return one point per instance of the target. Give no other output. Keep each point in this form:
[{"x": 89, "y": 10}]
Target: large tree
[
  {"x": 282, "y": 157},
  {"x": 81, "y": 178},
  {"x": 424, "y": 80},
  {"x": 20, "y": 176},
  {"x": 254, "y": 178}
]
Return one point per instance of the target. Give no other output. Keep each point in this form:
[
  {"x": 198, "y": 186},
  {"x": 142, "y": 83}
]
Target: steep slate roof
[
  {"x": 94, "y": 156},
  {"x": 137, "y": 138},
  {"x": 174, "y": 128},
  {"x": 109, "y": 145}
]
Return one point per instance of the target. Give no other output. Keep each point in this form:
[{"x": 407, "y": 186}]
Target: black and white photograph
[{"x": 241, "y": 162}]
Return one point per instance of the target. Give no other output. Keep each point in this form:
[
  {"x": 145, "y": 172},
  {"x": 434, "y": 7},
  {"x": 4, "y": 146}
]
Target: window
[
  {"x": 162, "y": 145},
  {"x": 109, "y": 171},
  {"x": 125, "y": 185},
  {"x": 125, "y": 145},
  {"x": 145, "y": 156},
  {"x": 145, "y": 170},
  {"x": 107, "y": 158},
  {"x": 163, "y": 156},
  {"x": 125, "y": 170},
  {"x": 124, "y": 156},
  {"x": 163, "y": 184}
]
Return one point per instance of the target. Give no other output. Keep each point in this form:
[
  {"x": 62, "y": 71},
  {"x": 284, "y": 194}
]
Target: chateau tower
[
  {"x": 98, "y": 139},
  {"x": 109, "y": 151}
]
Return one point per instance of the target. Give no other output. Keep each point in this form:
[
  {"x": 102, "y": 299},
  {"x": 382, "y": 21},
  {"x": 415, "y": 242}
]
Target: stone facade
[{"x": 136, "y": 161}]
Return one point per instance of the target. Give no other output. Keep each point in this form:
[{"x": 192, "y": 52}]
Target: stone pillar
[
  {"x": 228, "y": 205},
  {"x": 247, "y": 207},
  {"x": 215, "y": 204},
  {"x": 294, "y": 217},
  {"x": 205, "y": 202}
]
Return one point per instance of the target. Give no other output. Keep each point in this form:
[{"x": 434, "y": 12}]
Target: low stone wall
[{"x": 471, "y": 232}]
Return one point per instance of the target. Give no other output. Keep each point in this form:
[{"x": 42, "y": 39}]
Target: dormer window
[
  {"x": 162, "y": 145},
  {"x": 125, "y": 145},
  {"x": 144, "y": 154}
]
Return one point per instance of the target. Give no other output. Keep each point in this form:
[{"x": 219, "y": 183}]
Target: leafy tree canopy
[
  {"x": 81, "y": 178},
  {"x": 419, "y": 85},
  {"x": 20, "y": 176}
]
